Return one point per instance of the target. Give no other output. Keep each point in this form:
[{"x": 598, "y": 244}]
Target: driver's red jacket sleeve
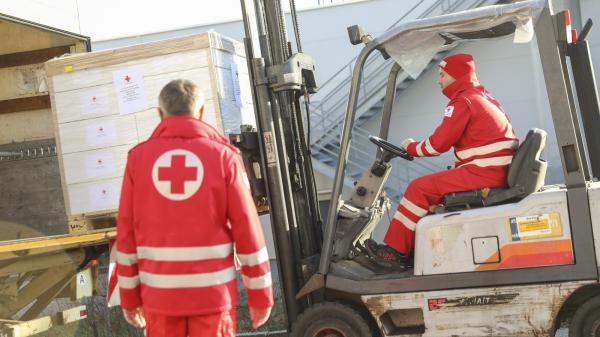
[{"x": 456, "y": 118}]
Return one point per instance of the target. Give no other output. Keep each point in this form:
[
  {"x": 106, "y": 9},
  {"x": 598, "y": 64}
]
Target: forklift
[{"x": 517, "y": 261}]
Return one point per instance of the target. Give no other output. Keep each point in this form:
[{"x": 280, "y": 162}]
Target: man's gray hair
[{"x": 180, "y": 97}]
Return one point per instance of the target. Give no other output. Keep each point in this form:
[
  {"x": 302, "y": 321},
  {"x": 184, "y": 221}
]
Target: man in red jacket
[
  {"x": 484, "y": 144},
  {"x": 185, "y": 210}
]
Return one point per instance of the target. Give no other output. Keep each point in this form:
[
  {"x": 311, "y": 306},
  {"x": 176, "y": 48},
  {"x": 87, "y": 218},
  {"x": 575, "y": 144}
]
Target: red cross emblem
[
  {"x": 177, "y": 174},
  {"x": 127, "y": 78}
]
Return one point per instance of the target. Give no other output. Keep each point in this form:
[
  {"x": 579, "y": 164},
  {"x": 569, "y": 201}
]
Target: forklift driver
[{"x": 484, "y": 144}]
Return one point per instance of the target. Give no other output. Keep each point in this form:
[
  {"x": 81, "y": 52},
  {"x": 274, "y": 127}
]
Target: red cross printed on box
[
  {"x": 177, "y": 174},
  {"x": 127, "y": 78}
]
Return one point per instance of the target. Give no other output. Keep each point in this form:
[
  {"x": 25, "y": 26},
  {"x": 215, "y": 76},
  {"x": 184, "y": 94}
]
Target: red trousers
[
  {"x": 218, "y": 325},
  {"x": 426, "y": 191}
]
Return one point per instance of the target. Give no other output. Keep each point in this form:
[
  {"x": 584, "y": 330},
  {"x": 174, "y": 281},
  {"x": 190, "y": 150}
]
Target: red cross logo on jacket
[{"x": 177, "y": 174}]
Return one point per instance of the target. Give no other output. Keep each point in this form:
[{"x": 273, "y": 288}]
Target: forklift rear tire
[
  {"x": 586, "y": 320},
  {"x": 331, "y": 319}
]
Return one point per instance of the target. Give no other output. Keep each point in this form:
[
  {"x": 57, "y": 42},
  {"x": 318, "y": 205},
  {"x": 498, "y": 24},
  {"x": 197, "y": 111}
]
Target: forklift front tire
[
  {"x": 330, "y": 319},
  {"x": 586, "y": 320}
]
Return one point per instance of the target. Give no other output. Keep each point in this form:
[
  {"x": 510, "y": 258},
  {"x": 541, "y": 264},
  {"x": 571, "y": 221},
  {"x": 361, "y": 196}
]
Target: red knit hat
[{"x": 458, "y": 65}]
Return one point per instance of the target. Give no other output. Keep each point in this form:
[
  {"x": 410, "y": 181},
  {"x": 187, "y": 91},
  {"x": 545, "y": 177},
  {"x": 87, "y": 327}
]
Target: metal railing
[
  {"x": 362, "y": 155},
  {"x": 328, "y": 107},
  {"x": 333, "y": 94}
]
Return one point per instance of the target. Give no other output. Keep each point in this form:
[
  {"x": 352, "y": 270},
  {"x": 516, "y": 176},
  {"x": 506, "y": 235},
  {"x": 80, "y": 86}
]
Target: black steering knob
[{"x": 391, "y": 148}]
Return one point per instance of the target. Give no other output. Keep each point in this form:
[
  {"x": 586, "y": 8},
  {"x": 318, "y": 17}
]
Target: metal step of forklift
[{"x": 354, "y": 270}]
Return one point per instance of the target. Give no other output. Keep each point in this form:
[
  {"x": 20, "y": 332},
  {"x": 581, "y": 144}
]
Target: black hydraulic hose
[
  {"x": 307, "y": 108},
  {"x": 310, "y": 179}
]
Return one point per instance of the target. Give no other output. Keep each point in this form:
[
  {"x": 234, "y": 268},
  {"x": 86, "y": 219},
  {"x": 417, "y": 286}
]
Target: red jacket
[
  {"x": 185, "y": 208},
  {"x": 475, "y": 125}
]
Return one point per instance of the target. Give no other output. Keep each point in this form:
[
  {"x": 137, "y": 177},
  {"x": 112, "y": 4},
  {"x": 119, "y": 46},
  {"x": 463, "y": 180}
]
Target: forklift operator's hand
[
  {"x": 259, "y": 316},
  {"x": 405, "y": 143}
]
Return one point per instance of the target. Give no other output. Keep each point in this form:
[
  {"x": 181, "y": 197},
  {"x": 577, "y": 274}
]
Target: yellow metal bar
[
  {"x": 46, "y": 242},
  {"x": 31, "y": 246}
]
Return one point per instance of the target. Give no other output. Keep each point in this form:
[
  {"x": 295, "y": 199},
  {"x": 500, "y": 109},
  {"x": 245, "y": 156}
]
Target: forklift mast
[{"x": 277, "y": 154}]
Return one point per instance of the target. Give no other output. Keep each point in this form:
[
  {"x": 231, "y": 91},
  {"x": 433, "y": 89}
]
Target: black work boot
[{"x": 386, "y": 256}]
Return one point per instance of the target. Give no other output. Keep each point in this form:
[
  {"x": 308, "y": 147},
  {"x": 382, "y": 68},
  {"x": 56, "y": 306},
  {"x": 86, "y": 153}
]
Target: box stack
[{"x": 105, "y": 102}]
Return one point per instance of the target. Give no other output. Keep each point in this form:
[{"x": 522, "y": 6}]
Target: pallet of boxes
[{"x": 105, "y": 102}]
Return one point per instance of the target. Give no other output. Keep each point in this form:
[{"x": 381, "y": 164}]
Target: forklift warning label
[
  {"x": 534, "y": 226},
  {"x": 270, "y": 147}
]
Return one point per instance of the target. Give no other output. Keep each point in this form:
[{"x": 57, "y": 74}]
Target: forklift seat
[{"x": 525, "y": 175}]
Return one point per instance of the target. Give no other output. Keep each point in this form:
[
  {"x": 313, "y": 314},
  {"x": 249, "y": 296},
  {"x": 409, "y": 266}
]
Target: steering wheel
[{"x": 391, "y": 148}]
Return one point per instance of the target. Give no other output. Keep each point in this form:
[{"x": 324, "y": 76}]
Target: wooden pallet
[{"x": 86, "y": 223}]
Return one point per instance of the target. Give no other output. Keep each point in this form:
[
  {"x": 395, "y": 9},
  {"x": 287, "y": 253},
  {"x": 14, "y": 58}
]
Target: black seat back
[
  {"x": 526, "y": 175},
  {"x": 527, "y": 171}
]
